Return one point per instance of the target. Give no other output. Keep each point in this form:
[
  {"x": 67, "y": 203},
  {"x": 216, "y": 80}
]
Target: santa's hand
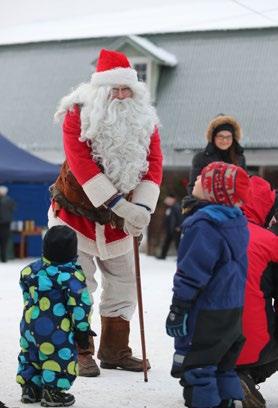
[
  {"x": 132, "y": 230},
  {"x": 137, "y": 215}
]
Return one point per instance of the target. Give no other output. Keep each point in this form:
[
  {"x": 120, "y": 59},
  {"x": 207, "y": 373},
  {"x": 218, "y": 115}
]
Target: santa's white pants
[{"x": 118, "y": 296}]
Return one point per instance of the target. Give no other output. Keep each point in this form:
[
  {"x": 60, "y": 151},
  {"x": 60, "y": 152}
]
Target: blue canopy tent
[{"x": 28, "y": 179}]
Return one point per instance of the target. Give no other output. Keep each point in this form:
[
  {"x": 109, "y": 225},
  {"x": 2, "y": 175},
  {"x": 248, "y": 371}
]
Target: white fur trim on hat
[{"x": 117, "y": 76}]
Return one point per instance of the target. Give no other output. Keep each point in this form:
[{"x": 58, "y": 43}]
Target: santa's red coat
[{"x": 104, "y": 241}]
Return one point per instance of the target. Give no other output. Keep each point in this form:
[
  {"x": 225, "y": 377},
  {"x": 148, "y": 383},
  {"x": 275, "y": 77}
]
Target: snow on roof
[
  {"x": 165, "y": 57},
  {"x": 198, "y": 15}
]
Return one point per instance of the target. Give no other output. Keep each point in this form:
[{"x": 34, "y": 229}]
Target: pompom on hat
[
  {"x": 224, "y": 183},
  {"x": 113, "y": 68}
]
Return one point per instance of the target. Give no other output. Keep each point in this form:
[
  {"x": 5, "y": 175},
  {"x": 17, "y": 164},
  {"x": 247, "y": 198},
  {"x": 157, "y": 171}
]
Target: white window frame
[{"x": 143, "y": 60}]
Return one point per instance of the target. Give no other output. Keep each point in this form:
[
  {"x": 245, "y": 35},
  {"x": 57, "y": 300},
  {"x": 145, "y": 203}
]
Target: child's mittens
[{"x": 177, "y": 318}]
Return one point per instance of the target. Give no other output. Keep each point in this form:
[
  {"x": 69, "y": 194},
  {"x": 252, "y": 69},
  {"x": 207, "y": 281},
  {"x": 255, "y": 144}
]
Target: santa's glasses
[{"x": 124, "y": 92}]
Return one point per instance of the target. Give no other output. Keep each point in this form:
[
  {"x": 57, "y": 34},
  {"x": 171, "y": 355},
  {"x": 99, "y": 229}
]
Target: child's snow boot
[
  {"x": 54, "y": 397},
  {"x": 30, "y": 393}
]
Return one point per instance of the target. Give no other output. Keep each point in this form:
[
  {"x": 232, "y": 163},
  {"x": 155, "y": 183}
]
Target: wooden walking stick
[{"x": 140, "y": 304}]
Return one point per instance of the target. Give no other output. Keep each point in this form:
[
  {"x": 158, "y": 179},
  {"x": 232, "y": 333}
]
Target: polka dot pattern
[
  {"x": 51, "y": 365},
  {"x": 59, "y": 309},
  {"x": 85, "y": 297},
  {"x": 58, "y": 337},
  {"x": 29, "y": 337},
  {"x": 47, "y": 348},
  {"x": 43, "y": 326},
  {"x": 48, "y": 376},
  {"x": 65, "y": 353},
  {"x": 44, "y": 304},
  {"x": 65, "y": 325},
  {"x": 52, "y": 270},
  {"x": 48, "y": 351},
  {"x": 63, "y": 383},
  {"x": 79, "y": 275},
  {"x": 78, "y": 313}
]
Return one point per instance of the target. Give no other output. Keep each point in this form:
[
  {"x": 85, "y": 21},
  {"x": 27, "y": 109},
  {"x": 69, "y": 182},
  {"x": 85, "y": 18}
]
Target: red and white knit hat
[
  {"x": 113, "y": 68},
  {"x": 224, "y": 183}
]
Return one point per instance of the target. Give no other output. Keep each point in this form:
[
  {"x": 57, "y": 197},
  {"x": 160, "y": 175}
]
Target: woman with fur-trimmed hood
[{"x": 223, "y": 135}]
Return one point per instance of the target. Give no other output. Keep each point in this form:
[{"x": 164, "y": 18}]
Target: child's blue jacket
[{"x": 210, "y": 280}]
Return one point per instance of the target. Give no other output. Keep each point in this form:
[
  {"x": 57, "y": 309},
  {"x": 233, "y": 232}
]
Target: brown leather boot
[
  {"x": 86, "y": 364},
  {"x": 113, "y": 350}
]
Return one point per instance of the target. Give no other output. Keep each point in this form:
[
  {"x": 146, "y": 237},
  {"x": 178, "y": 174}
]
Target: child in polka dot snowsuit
[{"x": 55, "y": 317}]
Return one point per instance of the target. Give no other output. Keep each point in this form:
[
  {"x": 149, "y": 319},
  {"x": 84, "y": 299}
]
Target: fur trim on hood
[{"x": 221, "y": 120}]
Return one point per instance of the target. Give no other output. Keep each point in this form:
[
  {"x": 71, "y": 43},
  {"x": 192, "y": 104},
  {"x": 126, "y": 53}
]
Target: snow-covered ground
[{"x": 112, "y": 389}]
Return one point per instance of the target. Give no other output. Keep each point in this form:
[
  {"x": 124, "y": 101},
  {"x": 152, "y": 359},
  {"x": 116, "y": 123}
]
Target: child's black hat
[{"x": 60, "y": 244}]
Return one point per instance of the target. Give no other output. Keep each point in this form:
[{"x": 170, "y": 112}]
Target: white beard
[{"x": 119, "y": 131}]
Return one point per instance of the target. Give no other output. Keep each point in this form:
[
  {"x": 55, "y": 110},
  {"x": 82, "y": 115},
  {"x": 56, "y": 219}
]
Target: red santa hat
[
  {"x": 224, "y": 183},
  {"x": 113, "y": 68}
]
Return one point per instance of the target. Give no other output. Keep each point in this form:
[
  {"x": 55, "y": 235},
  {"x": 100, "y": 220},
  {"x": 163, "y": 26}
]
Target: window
[
  {"x": 147, "y": 72},
  {"x": 141, "y": 71},
  {"x": 143, "y": 67}
]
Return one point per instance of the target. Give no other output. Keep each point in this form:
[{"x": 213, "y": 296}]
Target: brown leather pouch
[{"x": 68, "y": 193}]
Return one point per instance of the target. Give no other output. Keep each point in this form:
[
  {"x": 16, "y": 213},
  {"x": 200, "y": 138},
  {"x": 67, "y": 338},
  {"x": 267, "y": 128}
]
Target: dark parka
[{"x": 212, "y": 154}]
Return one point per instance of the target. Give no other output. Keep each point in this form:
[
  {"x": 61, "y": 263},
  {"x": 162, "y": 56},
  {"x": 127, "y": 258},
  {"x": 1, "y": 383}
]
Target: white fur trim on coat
[
  {"x": 147, "y": 193},
  {"x": 96, "y": 248},
  {"x": 117, "y": 76},
  {"x": 99, "y": 189}
]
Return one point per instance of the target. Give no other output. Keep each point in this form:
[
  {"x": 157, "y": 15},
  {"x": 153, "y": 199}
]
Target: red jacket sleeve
[
  {"x": 155, "y": 160},
  {"x": 78, "y": 153}
]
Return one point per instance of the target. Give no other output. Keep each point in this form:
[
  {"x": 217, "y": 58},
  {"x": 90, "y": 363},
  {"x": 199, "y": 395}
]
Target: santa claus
[{"x": 107, "y": 190}]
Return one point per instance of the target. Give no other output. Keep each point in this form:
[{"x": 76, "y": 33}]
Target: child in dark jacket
[
  {"x": 206, "y": 311},
  {"x": 55, "y": 317}
]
